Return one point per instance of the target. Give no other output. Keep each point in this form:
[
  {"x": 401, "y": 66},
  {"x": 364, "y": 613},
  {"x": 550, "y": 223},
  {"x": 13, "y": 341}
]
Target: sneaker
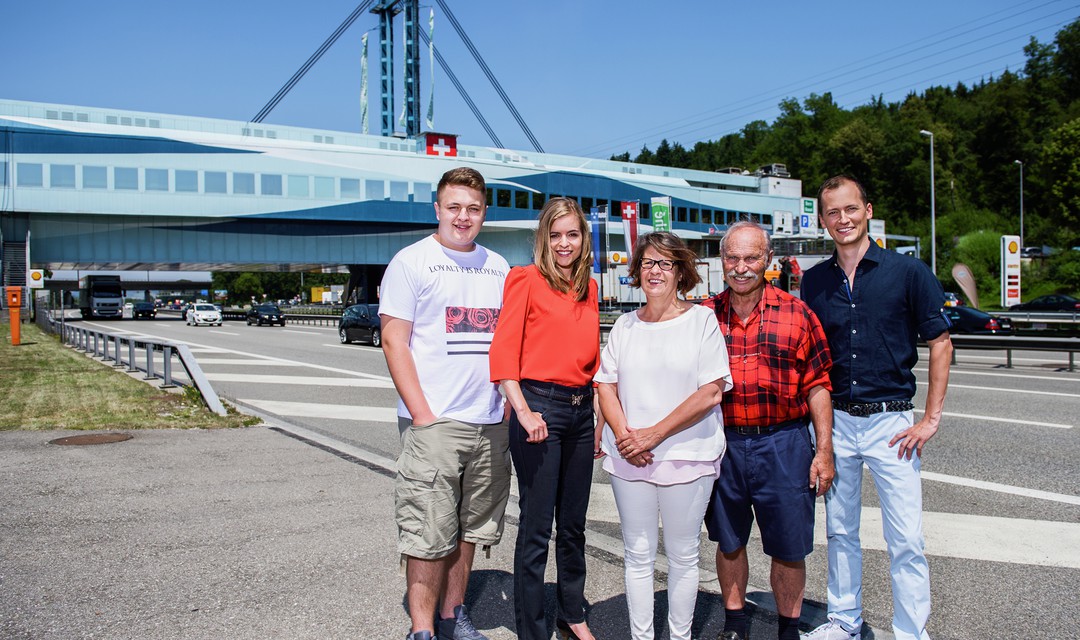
[
  {"x": 460, "y": 627},
  {"x": 420, "y": 635},
  {"x": 831, "y": 631}
]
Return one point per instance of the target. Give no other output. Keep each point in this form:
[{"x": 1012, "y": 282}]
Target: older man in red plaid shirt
[{"x": 772, "y": 471}]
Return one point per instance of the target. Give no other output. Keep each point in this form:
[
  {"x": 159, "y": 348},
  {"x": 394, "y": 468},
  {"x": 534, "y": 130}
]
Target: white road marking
[
  {"x": 1006, "y": 375},
  {"x": 203, "y": 348},
  {"x": 245, "y": 362},
  {"x": 301, "y": 380},
  {"x": 353, "y": 345},
  {"x": 306, "y": 333},
  {"x": 989, "y": 538},
  {"x": 224, "y": 333},
  {"x": 319, "y": 410},
  {"x": 1006, "y": 390},
  {"x": 1018, "y": 421},
  {"x": 1001, "y": 488}
]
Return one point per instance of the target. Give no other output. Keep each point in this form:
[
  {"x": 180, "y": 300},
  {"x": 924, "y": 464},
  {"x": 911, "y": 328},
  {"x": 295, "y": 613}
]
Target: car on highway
[
  {"x": 262, "y": 314},
  {"x": 143, "y": 310},
  {"x": 953, "y": 300},
  {"x": 361, "y": 322},
  {"x": 202, "y": 313},
  {"x": 1054, "y": 302},
  {"x": 973, "y": 321}
]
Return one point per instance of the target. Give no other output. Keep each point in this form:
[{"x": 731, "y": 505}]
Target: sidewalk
[{"x": 246, "y": 533}]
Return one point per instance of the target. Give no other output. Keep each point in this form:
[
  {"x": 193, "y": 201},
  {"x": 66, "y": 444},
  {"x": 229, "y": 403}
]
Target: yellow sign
[
  {"x": 35, "y": 278},
  {"x": 1013, "y": 246}
]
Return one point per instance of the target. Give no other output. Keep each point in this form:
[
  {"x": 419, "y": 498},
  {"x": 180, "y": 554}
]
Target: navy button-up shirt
[{"x": 872, "y": 327}]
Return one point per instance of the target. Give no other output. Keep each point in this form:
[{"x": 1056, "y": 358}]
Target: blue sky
[{"x": 589, "y": 77}]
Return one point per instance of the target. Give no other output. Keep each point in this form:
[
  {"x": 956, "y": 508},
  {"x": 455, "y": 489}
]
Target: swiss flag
[
  {"x": 630, "y": 218},
  {"x": 441, "y": 144}
]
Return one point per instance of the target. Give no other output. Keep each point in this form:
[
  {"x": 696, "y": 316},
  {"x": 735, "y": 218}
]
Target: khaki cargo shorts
[{"x": 453, "y": 481}]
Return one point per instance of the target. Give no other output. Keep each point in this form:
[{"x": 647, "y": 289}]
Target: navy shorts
[{"x": 767, "y": 476}]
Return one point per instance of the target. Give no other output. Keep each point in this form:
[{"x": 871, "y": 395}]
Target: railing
[
  {"x": 1039, "y": 322},
  {"x": 319, "y": 319},
  {"x": 312, "y": 319},
  {"x": 137, "y": 354},
  {"x": 1009, "y": 344}
]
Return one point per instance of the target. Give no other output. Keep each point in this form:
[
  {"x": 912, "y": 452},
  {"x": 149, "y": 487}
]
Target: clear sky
[{"x": 589, "y": 77}]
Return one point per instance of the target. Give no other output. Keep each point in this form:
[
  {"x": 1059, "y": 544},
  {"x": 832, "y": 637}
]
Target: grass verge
[{"x": 46, "y": 385}]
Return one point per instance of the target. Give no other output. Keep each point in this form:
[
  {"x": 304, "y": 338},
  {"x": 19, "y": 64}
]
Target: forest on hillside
[{"x": 980, "y": 131}]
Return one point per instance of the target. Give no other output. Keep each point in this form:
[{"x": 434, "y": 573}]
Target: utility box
[{"x": 14, "y": 297}]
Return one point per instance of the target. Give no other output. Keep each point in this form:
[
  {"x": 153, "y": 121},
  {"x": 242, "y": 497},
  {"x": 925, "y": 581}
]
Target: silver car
[{"x": 203, "y": 314}]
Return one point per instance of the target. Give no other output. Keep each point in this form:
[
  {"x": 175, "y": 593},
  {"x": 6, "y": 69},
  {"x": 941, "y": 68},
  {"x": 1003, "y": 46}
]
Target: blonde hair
[{"x": 544, "y": 257}]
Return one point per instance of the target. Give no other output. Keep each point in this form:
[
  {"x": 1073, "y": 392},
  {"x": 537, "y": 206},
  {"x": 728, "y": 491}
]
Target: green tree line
[
  {"x": 242, "y": 286},
  {"x": 980, "y": 131}
]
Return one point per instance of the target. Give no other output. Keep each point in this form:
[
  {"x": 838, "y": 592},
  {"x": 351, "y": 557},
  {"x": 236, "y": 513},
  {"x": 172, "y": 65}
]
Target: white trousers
[
  {"x": 681, "y": 507},
  {"x": 858, "y": 441}
]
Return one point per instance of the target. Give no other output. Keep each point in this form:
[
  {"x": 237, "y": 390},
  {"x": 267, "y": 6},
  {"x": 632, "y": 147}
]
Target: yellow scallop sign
[
  {"x": 35, "y": 278},
  {"x": 1013, "y": 246}
]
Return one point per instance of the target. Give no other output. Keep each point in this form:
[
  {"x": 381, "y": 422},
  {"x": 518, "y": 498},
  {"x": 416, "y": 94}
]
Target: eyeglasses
[{"x": 665, "y": 265}]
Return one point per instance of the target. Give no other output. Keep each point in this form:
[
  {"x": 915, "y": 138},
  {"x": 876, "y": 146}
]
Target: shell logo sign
[
  {"x": 35, "y": 278},
  {"x": 1013, "y": 246},
  {"x": 617, "y": 257}
]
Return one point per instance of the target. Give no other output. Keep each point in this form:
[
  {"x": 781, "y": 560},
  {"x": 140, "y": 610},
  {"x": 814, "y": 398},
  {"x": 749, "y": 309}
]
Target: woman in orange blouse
[{"x": 545, "y": 352}]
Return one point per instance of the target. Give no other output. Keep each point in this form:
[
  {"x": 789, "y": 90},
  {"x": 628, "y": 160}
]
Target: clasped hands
[{"x": 635, "y": 446}]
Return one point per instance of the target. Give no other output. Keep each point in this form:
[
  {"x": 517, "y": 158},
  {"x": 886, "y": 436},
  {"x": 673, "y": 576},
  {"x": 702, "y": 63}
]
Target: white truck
[{"x": 101, "y": 297}]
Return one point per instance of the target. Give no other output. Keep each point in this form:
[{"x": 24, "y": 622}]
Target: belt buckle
[{"x": 575, "y": 400}]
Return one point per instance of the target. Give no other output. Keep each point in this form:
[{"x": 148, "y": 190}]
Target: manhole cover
[{"x": 93, "y": 438}]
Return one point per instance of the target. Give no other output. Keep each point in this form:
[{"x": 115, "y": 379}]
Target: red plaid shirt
[{"x": 777, "y": 356}]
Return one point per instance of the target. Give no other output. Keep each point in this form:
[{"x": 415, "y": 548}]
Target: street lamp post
[
  {"x": 933, "y": 215},
  {"x": 1021, "y": 201}
]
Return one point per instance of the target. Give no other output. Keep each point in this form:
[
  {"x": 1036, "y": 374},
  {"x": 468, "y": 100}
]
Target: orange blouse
[{"x": 543, "y": 334}]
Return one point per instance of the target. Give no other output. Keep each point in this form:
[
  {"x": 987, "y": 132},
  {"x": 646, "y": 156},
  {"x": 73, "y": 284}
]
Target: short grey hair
[{"x": 746, "y": 224}]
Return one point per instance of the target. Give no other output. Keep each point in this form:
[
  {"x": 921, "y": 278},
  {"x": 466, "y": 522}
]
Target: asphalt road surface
[{"x": 1001, "y": 481}]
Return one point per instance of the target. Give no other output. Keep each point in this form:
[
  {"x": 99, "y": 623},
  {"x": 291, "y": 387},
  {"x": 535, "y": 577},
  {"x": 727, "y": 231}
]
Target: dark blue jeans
[{"x": 554, "y": 479}]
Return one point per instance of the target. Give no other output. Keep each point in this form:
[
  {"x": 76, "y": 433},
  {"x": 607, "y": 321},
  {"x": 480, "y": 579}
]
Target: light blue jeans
[{"x": 899, "y": 489}]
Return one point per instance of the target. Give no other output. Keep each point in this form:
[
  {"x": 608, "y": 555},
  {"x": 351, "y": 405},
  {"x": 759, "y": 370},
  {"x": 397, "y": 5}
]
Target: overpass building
[{"x": 104, "y": 189}]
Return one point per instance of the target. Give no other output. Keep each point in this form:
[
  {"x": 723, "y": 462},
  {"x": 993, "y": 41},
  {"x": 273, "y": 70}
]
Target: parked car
[
  {"x": 144, "y": 310},
  {"x": 953, "y": 300},
  {"x": 361, "y": 322},
  {"x": 969, "y": 320},
  {"x": 202, "y": 313},
  {"x": 262, "y": 314},
  {"x": 1056, "y": 302}
]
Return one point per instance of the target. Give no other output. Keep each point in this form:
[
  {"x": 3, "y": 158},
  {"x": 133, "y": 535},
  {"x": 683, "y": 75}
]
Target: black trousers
[{"x": 554, "y": 479}]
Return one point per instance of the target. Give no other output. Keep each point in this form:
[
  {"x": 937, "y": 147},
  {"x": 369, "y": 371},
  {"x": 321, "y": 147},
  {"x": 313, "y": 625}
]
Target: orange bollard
[{"x": 14, "y": 302}]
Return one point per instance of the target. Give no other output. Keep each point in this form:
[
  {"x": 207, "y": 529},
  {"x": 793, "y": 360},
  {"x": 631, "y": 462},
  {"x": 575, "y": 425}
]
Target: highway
[{"x": 1001, "y": 481}]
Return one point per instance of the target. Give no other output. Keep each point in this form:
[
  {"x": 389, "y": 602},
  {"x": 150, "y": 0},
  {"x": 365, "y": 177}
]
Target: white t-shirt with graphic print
[{"x": 452, "y": 299}]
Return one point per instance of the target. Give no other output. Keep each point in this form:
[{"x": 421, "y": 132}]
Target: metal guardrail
[
  {"x": 312, "y": 319},
  {"x": 140, "y": 356},
  {"x": 318, "y": 319},
  {"x": 1009, "y": 344}
]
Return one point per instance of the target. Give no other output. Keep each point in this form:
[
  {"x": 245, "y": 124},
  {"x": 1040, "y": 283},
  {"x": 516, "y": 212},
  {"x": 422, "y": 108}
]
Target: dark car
[
  {"x": 361, "y": 322},
  {"x": 969, "y": 320},
  {"x": 143, "y": 310},
  {"x": 1056, "y": 302},
  {"x": 262, "y": 314}
]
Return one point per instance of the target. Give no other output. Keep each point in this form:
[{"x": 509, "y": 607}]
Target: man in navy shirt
[{"x": 874, "y": 304}]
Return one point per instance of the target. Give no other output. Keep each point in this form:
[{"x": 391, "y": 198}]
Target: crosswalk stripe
[
  {"x": 301, "y": 380},
  {"x": 322, "y": 410}
]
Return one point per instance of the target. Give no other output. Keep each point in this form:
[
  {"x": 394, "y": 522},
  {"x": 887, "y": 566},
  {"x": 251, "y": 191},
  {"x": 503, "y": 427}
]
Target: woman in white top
[{"x": 662, "y": 374}]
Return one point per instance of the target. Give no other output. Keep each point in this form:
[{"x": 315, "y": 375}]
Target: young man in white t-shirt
[{"x": 439, "y": 303}]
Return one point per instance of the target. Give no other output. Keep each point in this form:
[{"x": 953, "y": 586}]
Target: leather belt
[
  {"x": 864, "y": 409},
  {"x": 769, "y": 428},
  {"x": 573, "y": 396}
]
